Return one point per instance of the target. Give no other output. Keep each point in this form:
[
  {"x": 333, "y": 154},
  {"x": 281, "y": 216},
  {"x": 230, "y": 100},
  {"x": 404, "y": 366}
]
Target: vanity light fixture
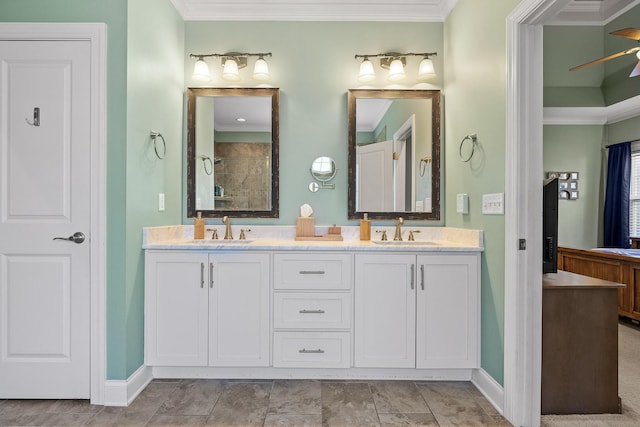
[
  {"x": 395, "y": 63},
  {"x": 231, "y": 62}
]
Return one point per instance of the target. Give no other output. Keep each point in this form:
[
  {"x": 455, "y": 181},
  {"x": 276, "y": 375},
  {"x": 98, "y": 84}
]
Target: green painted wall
[
  {"x": 626, "y": 130},
  {"x": 577, "y": 149},
  {"x": 313, "y": 64},
  {"x": 155, "y": 73},
  {"x": 475, "y": 93}
]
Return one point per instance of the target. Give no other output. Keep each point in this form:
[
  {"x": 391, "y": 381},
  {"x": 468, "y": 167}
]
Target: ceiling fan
[{"x": 630, "y": 33}]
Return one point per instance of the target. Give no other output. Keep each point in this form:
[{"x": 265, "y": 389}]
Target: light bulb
[
  {"x": 230, "y": 71},
  {"x": 261, "y": 70},
  {"x": 396, "y": 71},
  {"x": 201, "y": 71},
  {"x": 425, "y": 70},
  {"x": 366, "y": 72}
]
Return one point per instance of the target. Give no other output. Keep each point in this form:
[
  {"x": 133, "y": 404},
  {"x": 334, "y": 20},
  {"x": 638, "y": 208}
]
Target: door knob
[{"x": 78, "y": 237}]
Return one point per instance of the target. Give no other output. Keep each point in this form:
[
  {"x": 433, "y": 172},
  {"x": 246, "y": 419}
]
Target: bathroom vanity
[{"x": 274, "y": 307}]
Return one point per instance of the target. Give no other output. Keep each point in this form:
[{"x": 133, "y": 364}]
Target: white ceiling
[{"x": 577, "y": 12}]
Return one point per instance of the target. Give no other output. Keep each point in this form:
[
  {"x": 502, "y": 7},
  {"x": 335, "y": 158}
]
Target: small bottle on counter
[
  {"x": 365, "y": 228},
  {"x": 198, "y": 227}
]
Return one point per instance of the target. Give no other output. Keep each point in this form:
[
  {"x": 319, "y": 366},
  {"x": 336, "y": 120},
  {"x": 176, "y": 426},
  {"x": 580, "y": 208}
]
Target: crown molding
[
  {"x": 614, "y": 113},
  {"x": 315, "y": 10},
  {"x": 592, "y": 12}
]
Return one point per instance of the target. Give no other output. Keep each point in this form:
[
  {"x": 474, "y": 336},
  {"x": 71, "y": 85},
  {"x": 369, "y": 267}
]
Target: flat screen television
[{"x": 550, "y": 226}]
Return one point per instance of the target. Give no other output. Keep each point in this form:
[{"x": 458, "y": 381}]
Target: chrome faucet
[
  {"x": 398, "y": 235},
  {"x": 228, "y": 235}
]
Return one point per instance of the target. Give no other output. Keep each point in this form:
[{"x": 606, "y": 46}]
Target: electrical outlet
[{"x": 160, "y": 202}]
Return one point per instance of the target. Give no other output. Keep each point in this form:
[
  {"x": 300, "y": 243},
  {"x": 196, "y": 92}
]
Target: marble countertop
[{"x": 282, "y": 238}]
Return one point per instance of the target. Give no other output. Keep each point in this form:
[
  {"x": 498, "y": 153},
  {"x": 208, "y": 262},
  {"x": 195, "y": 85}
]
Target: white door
[
  {"x": 44, "y": 193},
  {"x": 176, "y": 308},
  {"x": 374, "y": 181},
  {"x": 448, "y": 314},
  {"x": 239, "y": 310},
  {"x": 385, "y": 310}
]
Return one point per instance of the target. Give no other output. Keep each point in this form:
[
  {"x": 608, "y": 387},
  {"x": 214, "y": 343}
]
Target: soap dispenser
[
  {"x": 365, "y": 228},
  {"x": 198, "y": 227}
]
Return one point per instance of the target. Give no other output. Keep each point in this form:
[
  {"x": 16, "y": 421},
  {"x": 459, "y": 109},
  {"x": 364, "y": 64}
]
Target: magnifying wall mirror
[
  {"x": 232, "y": 152},
  {"x": 323, "y": 169},
  {"x": 394, "y": 154}
]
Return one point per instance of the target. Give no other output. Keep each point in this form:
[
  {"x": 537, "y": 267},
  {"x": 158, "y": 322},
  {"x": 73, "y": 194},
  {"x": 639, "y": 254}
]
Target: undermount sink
[
  {"x": 403, "y": 242},
  {"x": 217, "y": 242}
]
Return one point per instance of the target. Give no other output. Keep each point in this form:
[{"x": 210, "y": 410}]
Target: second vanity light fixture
[
  {"x": 395, "y": 63},
  {"x": 231, "y": 63}
]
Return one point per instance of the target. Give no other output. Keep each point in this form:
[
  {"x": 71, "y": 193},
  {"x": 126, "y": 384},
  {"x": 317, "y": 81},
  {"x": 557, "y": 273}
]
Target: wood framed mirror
[
  {"x": 394, "y": 154},
  {"x": 233, "y": 152}
]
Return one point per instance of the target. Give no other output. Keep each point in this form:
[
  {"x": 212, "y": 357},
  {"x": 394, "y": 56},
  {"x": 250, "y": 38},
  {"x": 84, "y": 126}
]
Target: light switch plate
[
  {"x": 160, "y": 202},
  {"x": 462, "y": 203},
  {"x": 493, "y": 204}
]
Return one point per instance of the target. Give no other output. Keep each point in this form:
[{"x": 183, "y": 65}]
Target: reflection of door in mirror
[
  {"x": 401, "y": 189},
  {"x": 394, "y": 153},
  {"x": 231, "y": 148}
]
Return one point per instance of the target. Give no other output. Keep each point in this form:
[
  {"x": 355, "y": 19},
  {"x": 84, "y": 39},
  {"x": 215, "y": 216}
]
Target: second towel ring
[
  {"x": 155, "y": 135},
  {"x": 205, "y": 159},
  {"x": 474, "y": 140}
]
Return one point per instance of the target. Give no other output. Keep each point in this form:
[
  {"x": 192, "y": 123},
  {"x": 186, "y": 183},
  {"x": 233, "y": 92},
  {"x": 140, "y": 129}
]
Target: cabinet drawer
[
  {"x": 312, "y": 271},
  {"x": 311, "y": 349},
  {"x": 311, "y": 310}
]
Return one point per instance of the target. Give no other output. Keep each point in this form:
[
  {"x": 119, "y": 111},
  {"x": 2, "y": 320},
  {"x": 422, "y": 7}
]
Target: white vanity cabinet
[
  {"x": 417, "y": 311},
  {"x": 207, "y": 309},
  {"x": 312, "y": 310}
]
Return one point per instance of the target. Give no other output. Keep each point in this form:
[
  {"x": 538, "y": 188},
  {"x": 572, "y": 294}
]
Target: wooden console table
[{"x": 579, "y": 344}]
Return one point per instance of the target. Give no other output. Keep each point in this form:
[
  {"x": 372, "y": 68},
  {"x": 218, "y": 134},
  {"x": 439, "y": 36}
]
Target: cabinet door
[
  {"x": 176, "y": 326},
  {"x": 448, "y": 315},
  {"x": 385, "y": 311},
  {"x": 239, "y": 310}
]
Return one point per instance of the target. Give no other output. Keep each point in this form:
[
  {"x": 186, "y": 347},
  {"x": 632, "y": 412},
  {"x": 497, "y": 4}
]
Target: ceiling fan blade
[
  {"x": 636, "y": 70},
  {"x": 630, "y": 33},
  {"x": 597, "y": 61}
]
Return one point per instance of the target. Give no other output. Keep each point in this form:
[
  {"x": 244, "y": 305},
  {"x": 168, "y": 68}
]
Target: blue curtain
[{"x": 616, "y": 202}]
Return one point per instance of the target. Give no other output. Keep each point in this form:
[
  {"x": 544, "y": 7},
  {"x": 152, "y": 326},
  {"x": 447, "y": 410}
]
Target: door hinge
[
  {"x": 522, "y": 244},
  {"x": 396, "y": 155}
]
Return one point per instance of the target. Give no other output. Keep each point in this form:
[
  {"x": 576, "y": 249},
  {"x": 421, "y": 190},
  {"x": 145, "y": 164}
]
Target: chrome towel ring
[
  {"x": 474, "y": 141},
  {"x": 154, "y": 135}
]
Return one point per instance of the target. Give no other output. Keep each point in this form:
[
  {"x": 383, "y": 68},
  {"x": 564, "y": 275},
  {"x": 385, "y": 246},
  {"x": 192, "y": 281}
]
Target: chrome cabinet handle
[
  {"x": 318, "y": 351},
  {"x": 211, "y": 275},
  {"x": 422, "y": 276},
  {"x": 412, "y": 270},
  {"x": 77, "y": 237},
  {"x": 311, "y": 311},
  {"x": 202, "y": 274},
  {"x": 312, "y": 272}
]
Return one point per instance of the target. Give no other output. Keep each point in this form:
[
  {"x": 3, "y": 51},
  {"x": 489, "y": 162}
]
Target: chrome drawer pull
[
  {"x": 422, "y": 276},
  {"x": 304, "y": 350},
  {"x": 312, "y": 272},
  {"x": 211, "y": 275},
  {"x": 412, "y": 274},
  {"x": 311, "y": 311}
]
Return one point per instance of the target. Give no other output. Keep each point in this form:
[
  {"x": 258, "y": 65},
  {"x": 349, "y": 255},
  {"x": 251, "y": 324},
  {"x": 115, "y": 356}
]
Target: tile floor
[{"x": 271, "y": 403}]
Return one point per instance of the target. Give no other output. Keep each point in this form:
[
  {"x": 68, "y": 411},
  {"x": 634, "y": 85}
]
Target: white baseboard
[
  {"x": 122, "y": 392},
  {"x": 489, "y": 388}
]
